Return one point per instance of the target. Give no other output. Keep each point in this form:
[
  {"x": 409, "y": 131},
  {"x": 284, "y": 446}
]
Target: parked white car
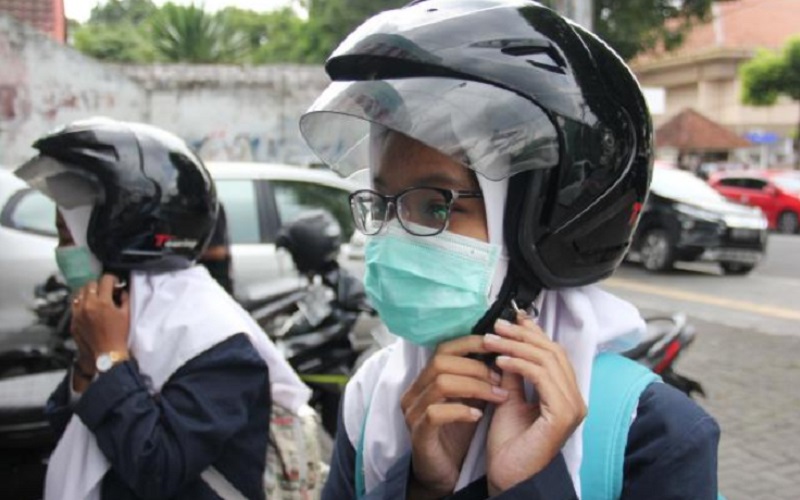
[
  {"x": 27, "y": 240},
  {"x": 259, "y": 198}
]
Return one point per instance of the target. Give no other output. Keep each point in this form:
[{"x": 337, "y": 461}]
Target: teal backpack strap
[{"x": 617, "y": 383}]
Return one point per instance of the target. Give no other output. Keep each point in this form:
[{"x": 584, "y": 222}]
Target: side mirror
[{"x": 771, "y": 190}]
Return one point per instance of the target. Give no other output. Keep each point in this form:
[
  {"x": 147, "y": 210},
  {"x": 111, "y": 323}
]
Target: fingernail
[
  {"x": 495, "y": 377},
  {"x": 491, "y": 337},
  {"x": 501, "y": 360},
  {"x": 501, "y": 323},
  {"x": 500, "y": 391},
  {"x": 476, "y": 413}
]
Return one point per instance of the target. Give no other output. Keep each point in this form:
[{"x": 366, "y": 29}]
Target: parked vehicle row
[
  {"x": 258, "y": 198},
  {"x": 685, "y": 219}
]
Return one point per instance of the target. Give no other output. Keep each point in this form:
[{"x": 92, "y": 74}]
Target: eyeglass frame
[{"x": 450, "y": 195}]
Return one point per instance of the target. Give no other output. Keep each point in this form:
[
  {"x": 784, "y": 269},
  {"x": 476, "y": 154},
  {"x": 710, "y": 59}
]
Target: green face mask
[
  {"x": 429, "y": 289},
  {"x": 76, "y": 264}
]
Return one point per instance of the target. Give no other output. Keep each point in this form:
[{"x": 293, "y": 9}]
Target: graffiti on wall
[
  {"x": 262, "y": 146},
  {"x": 221, "y": 145}
]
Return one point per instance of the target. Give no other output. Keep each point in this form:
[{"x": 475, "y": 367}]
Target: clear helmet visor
[
  {"x": 68, "y": 186},
  {"x": 492, "y": 131}
]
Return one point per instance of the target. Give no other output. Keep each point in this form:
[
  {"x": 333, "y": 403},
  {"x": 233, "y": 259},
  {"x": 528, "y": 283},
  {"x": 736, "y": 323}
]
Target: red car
[{"x": 775, "y": 192}]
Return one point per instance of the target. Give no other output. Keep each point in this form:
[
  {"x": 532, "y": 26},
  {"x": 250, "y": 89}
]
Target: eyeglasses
[{"x": 421, "y": 211}]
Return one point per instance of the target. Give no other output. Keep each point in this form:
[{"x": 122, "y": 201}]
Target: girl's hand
[
  {"x": 99, "y": 325},
  {"x": 442, "y": 408},
  {"x": 525, "y": 436}
]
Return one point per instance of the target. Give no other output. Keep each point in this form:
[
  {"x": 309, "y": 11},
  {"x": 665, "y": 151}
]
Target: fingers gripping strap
[{"x": 617, "y": 383}]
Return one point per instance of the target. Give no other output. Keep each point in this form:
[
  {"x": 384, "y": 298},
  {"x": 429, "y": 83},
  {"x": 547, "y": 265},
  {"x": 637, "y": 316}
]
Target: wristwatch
[{"x": 107, "y": 360}]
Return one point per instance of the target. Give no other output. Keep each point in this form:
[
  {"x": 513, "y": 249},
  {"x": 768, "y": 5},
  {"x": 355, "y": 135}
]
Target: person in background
[
  {"x": 508, "y": 153},
  {"x": 170, "y": 393},
  {"x": 217, "y": 256}
]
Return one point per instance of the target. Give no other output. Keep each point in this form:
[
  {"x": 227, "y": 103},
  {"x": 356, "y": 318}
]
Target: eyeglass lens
[{"x": 421, "y": 211}]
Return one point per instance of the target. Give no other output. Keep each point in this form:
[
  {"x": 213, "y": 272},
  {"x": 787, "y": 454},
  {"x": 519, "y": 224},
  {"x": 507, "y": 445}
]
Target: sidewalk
[{"x": 753, "y": 385}]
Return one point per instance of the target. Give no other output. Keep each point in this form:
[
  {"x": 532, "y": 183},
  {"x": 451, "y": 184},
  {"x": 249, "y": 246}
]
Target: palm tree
[{"x": 190, "y": 34}]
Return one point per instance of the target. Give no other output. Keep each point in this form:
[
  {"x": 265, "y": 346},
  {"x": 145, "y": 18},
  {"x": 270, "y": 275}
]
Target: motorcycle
[
  {"x": 667, "y": 337},
  {"x": 315, "y": 328},
  {"x": 32, "y": 363}
]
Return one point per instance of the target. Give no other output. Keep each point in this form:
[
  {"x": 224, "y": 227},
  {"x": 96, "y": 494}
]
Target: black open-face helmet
[
  {"x": 154, "y": 203},
  {"x": 313, "y": 240},
  {"x": 511, "y": 90}
]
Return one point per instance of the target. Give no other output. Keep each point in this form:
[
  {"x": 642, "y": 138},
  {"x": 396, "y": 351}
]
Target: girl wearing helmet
[
  {"x": 508, "y": 153},
  {"x": 171, "y": 390}
]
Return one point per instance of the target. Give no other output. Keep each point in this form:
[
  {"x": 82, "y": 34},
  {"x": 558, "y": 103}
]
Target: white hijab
[
  {"x": 584, "y": 320},
  {"x": 174, "y": 317}
]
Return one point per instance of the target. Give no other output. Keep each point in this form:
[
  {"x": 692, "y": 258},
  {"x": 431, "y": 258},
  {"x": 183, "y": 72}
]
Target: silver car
[
  {"x": 27, "y": 242},
  {"x": 259, "y": 198}
]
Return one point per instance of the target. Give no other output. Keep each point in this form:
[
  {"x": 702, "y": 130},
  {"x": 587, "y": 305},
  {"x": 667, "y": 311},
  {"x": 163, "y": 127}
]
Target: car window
[
  {"x": 757, "y": 184},
  {"x": 241, "y": 208},
  {"x": 293, "y": 198},
  {"x": 31, "y": 211},
  {"x": 731, "y": 182}
]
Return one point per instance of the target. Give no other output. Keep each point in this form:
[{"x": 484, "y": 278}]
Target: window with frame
[
  {"x": 754, "y": 184},
  {"x": 293, "y": 198},
  {"x": 31, "y": 211},
  {"x": 241, "y": 208},
  {"x": 731, "y": 182}
]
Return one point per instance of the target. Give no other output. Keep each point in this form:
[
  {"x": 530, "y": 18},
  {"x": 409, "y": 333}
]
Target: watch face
[{"x": 104, "y": 363}]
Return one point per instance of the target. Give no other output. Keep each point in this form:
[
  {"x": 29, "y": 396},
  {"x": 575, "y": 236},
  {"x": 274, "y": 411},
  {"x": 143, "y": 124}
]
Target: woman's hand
[
  {"x": 442, "y": 408},
  {"x": 525, "y": 436},
  {"x": 99, "y": 325}
]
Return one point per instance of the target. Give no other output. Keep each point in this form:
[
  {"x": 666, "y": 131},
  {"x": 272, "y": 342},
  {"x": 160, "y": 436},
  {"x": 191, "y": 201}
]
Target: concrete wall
[
  {"x": 234, "y": 112},
  {"x": 44, "y": 84},
  {"x": 225, "y": 112}
]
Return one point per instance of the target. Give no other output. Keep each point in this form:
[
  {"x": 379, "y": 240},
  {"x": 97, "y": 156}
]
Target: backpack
[
  {"x": 617, "y": 383},
  {"x": 295, "y": 469}
]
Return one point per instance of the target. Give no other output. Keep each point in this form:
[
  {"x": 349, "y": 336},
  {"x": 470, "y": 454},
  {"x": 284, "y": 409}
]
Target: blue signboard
[{"x": 759, "y": 137}]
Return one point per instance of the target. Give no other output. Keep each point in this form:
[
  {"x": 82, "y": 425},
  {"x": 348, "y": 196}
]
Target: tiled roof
[
  {"x": 691, "y": 131},
  {"x": 45, "y": 15},
  {"x": 738, "y": 24}
]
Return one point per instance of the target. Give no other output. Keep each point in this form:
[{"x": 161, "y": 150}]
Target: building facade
[{"x": 703, "y": 74}]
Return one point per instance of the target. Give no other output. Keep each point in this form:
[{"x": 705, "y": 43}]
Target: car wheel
[
  {"x": 736, "y": 268},
  {"x": 656, "y": 251},
  {"x": 788, "y": 223}
]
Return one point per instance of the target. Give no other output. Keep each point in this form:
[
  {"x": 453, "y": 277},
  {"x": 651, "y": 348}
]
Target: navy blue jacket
[
  {"x": 214, "y": 410},
  {"x": 671, "y": 454}
]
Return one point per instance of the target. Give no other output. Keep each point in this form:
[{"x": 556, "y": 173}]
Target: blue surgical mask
[
  {"x": 429, "y": 289},
  {"x": 77, "y": 265}
]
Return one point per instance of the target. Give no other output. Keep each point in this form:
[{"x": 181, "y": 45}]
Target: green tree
[
  {"x": 122, "y": 11},
  {"x": 116, "y": 31},
  {"x": 769, "y": 75},
  {"x": 190, "y": 34},
  {"x": 115, "y": 43}
]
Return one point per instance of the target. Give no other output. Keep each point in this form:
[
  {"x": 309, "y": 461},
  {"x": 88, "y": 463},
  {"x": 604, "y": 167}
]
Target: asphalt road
[{"x": 766, "y": 301}]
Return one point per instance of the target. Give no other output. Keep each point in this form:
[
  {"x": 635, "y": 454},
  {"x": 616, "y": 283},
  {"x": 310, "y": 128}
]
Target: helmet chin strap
[{"x": 514, "y": 296}]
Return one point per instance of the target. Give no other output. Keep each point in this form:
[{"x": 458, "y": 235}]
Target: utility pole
[
  {"x": 580, "y": 11},
  {"x": 583, "y": 13}
]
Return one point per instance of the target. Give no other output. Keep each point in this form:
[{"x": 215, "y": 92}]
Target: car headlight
[
  {"x": 755, "y": 221},
  {"x": 697, "y": 212}
]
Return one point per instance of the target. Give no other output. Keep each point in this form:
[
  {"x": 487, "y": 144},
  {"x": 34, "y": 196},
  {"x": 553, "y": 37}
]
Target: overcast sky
[{"x": 80, "y": 9}]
